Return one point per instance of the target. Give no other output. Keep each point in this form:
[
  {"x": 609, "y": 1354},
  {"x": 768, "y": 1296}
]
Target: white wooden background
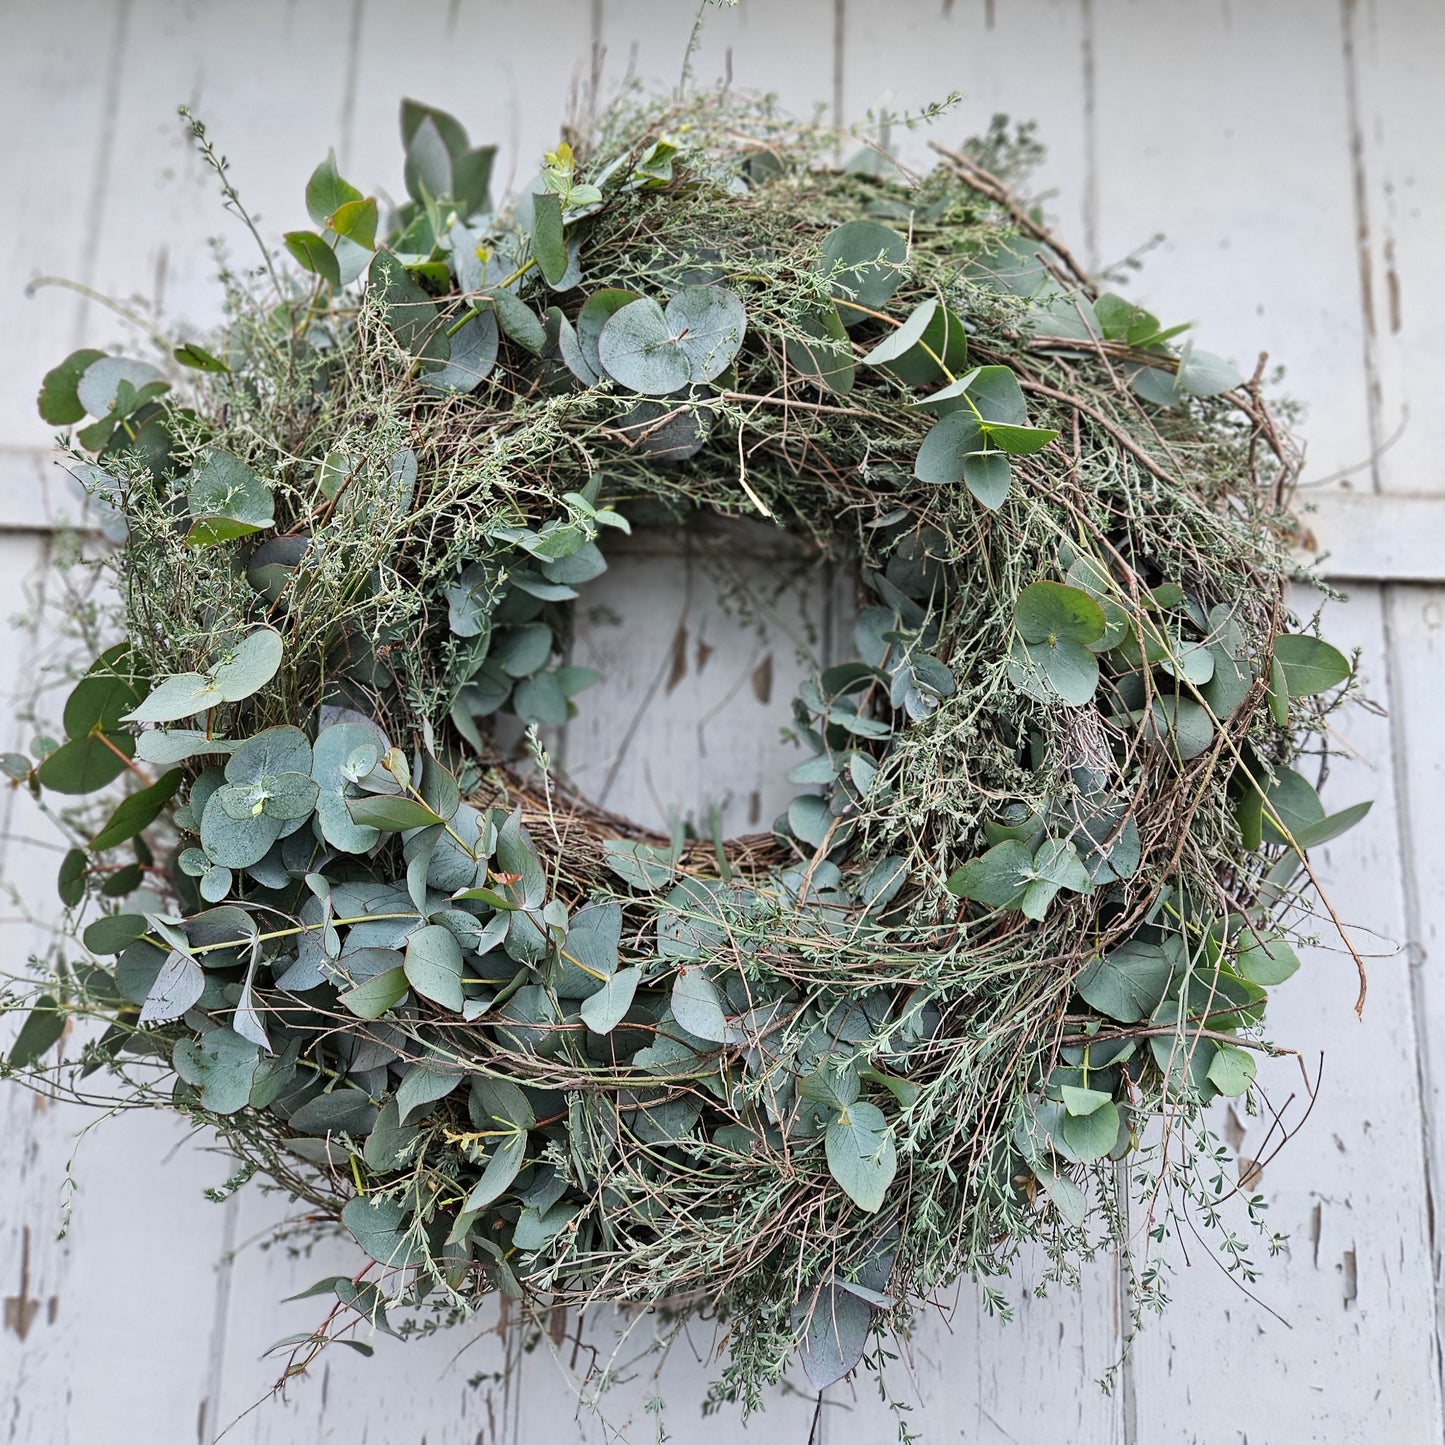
[{"x": 1289, "y": 150}]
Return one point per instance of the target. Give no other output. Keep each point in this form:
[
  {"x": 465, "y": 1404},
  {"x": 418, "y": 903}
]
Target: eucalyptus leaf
[
  {"x": 698, "y": 1006},
  {"x": 604, "y": 1010},
  {"x": 861, "y": 1154},
  {"x": 434, "y": 966},
  {"x": 833, "y": 1327},
  {"x": 1310, "y": 665},
  {"x": 863, "y": 262},
  {"x": 655, "y": 351},
  {"x": 177, "y": 986},
  {"x": 376, "y": 1225}
]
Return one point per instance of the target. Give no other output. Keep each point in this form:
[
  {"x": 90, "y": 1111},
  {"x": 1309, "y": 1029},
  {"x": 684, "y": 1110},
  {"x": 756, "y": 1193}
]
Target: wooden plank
[
  {"x": 1392, "y": 50},
  {"x": 1415, "y": 633},
  {"x": 1380, "y": 536},
  {"x": 701, "y": 643},
  {"x": 106, "y": 1332},
  {"x": 1352, "y": 1352},
  {"x": 54, "y": 178},
  {"x": 512, "y": 71},
  {"x": 908, "y": 53},
  {"x": 1241, "y": 201},
  {"x": 1244, "y": 182}
]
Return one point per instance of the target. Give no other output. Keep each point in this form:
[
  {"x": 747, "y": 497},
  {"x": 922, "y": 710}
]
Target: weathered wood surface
[{"x": 1288, "y": 150}]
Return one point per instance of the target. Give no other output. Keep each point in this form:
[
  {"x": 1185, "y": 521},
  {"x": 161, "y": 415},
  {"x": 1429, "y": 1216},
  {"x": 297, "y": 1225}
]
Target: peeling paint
[{"x": 21, "y": 1309}]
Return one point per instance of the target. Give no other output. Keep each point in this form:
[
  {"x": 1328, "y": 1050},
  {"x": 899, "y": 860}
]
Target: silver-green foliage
[{"x": 1027, "y": 895}]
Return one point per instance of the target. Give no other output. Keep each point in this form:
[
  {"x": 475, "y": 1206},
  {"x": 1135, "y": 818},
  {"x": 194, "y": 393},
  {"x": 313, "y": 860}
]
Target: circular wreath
[{"x": 1027, "y": 899}]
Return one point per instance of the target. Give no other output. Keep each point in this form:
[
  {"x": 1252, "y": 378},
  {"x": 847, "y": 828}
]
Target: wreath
[{"x": 1020, "y": 920}]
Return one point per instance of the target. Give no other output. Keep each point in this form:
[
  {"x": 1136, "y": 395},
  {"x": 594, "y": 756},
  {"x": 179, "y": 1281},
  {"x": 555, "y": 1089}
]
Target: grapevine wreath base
[{"x": 1050, "y": 826}]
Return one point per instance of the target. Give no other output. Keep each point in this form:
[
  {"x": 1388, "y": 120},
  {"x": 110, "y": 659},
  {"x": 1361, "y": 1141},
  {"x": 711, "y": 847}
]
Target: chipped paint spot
[
  {"x": 20, "y": 1309},
  {"x": 1392, "y": 285},
  {"x": 678, "y": 671},
  {"x": 1233, "y": 1129},
  {"x": 763, "y": 680},
  {"x": 1349, "y": 1277}
]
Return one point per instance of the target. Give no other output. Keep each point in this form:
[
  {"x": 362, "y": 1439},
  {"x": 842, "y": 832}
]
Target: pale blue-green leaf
[
  {"x": 434, "y": 966},
  {"x": 1231, "y": 1070},
  {"x": 905, "y": 338},
  {"x": 862, "y": 1157},
  {"x": 605, "y": 1009},
  {"x": 177, "y": 986},
  {"x": 376, "y": 1225},
  {"x": 1309, "y": 665},
  {"x": 1128, "y": 983},
  {"x": 222, "y": 1065},
  {"x": 503, "y": 1165},
  {"x": 423, "y": 1086},
  {"x": 832, "y": 1327},
  {"x": 697, "y": 1005},
  {"x": 1203, "y": 374}
]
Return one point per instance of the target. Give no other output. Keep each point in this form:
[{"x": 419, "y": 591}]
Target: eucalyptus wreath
[{"x": 1049, "y": 844}]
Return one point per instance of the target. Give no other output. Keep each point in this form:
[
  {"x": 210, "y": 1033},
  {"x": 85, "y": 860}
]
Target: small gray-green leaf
[
  {"x": 177, "y": 986},
  {"x": 861, "y": 1154},
  {"x": 434, "y": 966},
  {"x": 375, "y": 1224},
  {"x": 605, "y": 1009},
  {"x": 697, "y": 1005}
]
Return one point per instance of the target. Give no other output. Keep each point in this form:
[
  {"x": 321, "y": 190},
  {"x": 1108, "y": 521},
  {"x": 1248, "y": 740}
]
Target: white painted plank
[
  {"x": 904, "y": 55},
  {"x": 1396, "y": 47},
  {"x": 1354, "y": 1356},
  {"x": 1225, "y": 243},
  {"x": 105, "y": 1333},
  {"x": 1244, "y": 167},
  {"x": 1381, "y": 536},
  {"x": 1415, "y": 631},
  {"x": 701, "y": 648},
  {"x": 56, "y": 115},
  {"x": 512, "y": 71},
  {"x": 1279, "y": 186}
]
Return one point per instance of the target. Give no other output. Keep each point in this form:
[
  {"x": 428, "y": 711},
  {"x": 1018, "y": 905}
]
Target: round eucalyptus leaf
[
  {"x": 901, "y": 341},
  {"x": 276, "y": 750},
  {"x": 596, "y": 311},
  {"x": 637, "y": 349},
  {"x": 232, "y": 842},
  {"x": 376, "y": 1225},
  {"x": 434, "y": 966},
  {"x": 222, "y": 1065},
  {"x": 862, "y": 1157},
  {"x": 987, "y": 476},
  {"x": 96, "y": 389},
  {"x": 708, "y": 323},
  {"x": 698, "y": 1006},
  {"x": 334, "y": 746},
  {"x": 1048, "y": 612},
  {"x": 604, "y": 1010},
  {"x": 657, "y": 352},
  {"x": 1310, "y": 665},
  {"x": 862, "y": 260}
]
